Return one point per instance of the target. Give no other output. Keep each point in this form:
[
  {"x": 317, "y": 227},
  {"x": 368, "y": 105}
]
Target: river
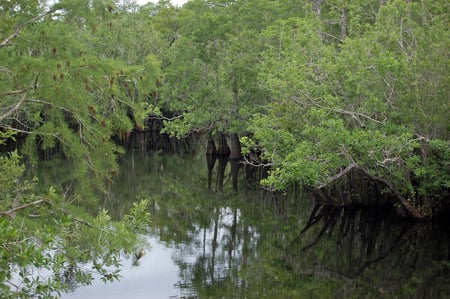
[{"x": 216, "y": 235}]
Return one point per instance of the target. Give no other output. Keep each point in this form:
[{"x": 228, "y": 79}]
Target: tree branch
[
  {"x": 6, "y": 127},
  {"x": 13, "y": 108},
  {"x": 407, "y": 207},
  {"x": 255, "y": 163},
  {"x": 7, "y": 41},
  {"x": 162, "y": 117},
  {"x": 10, "y": 213},
  {"x": 13, "y": 92},
  {"x": 355, "y": 115},
  {"x": 338, "y": 175}
]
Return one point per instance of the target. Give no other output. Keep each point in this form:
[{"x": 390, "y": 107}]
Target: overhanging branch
[{"x": 407, "y": 207}]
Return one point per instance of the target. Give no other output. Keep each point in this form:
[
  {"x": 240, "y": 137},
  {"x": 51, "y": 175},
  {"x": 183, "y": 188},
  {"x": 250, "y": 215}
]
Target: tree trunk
[
  {"x": 211, "y": 147},
  {"x": 235, "y": 166},
  {"x": 211, "y": 161},
  {"x": 223, "y": 161},
  {"x": 224, "y": 149},
  {"x": 235, "y": 153}
]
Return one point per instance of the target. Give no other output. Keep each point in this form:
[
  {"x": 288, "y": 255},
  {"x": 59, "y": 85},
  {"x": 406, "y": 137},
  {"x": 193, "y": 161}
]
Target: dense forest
[{"x": 328, "y": 95}]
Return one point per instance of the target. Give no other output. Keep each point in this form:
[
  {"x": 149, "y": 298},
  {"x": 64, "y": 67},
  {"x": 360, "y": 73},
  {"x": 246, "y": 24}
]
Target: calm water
[{"x": 214, "y": 235}]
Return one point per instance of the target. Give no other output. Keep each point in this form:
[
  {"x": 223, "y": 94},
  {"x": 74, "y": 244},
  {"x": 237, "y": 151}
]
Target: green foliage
[
  {"x": 317, "y": 86},
  {"x": 374, "y": 100},
  {"x": 210, "y": 74},
  {"x": 12, "y": 169},
  {"x": 72, "y": 97},
  {"x": 45, "y": 232},
  {"x": 432, "y": 170},
  {"x": 66, "y": 95},
  {"x": 136, "y": 220}
]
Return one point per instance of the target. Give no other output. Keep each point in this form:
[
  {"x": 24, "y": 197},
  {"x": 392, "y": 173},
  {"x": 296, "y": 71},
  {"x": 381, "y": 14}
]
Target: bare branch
[
  {"x": 13, "y": 108},
  {"x": 324, "y": 34},
  {"x": 255, "y": 163},
  {"x": 10, "y": 213},
  {"x": 14, "y": 92},
  {"x": 390, "y": 161}
]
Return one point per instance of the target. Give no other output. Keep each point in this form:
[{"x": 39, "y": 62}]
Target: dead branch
[{"x": 9, "y": 128}]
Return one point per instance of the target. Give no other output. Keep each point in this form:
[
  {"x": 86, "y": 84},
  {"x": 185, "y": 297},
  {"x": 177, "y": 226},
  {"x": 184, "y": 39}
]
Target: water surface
[{"x": 214, "y": 235}]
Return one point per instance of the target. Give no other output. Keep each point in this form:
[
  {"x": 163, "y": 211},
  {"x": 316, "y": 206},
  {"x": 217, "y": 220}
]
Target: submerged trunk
[
  {"x": 235, "y": 166},
  {"x": 223, "y": 161},
  {"x": 210, "y": 161}
]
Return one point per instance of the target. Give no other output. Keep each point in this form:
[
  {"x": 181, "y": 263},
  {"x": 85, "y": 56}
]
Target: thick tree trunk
[
  {"x": 224, "y": 149},
  {"x": 211, "y": 161},
  {"x": 235, "y": 153},
  {"x": 221, "y": 173},
  {"x": 211, "y": 147}
]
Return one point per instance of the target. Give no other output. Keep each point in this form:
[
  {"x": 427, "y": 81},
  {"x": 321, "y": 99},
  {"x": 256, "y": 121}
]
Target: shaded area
[
  {"x": 372, "y": 253},
  {"x": 231, "y": 239}
]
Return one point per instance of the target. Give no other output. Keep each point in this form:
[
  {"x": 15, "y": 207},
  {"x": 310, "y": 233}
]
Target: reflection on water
[
  {"x": 154, "y": 277},
  {"x": 372, "y": 254},
  {"x": 213, "y": 235}
]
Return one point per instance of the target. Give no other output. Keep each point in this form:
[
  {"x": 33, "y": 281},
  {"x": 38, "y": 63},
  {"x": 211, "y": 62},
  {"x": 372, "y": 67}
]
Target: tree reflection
[
  {"x": 373, "y": 253},
  {"x": 216, "y": 258},
  {"x": 230, "y": 240}
]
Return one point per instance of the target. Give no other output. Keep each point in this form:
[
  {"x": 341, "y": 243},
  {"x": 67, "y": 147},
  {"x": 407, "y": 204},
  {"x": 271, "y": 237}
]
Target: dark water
[{"x": 214, "y": 235}]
